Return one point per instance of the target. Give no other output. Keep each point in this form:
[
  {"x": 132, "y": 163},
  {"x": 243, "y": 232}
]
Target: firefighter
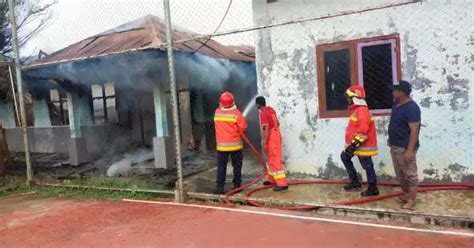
[
  {"x": 271, "y": 145},
  {"x": 361, "y": 141},
  {"x": 229, "y": 124}
]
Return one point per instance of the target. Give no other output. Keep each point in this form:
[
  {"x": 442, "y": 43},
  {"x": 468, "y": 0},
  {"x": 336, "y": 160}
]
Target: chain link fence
[{"x": 112, "y": 56}]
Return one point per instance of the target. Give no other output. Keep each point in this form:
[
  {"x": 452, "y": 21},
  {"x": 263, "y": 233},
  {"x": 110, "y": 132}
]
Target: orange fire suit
[
  {"x": 361, "y": 124},
  {"x": 229, "y": 123},
  {"x": 276, "y": 170}
]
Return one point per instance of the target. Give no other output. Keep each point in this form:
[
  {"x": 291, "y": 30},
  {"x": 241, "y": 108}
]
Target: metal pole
[
  {"x": 19, "y": 81},
  {"x": 14, "y": 94},
  {"x": 180, "y": 196}
]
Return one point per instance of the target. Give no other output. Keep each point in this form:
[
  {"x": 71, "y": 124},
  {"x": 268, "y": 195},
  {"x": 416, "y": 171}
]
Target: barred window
[{"x": 373, "y": 63}]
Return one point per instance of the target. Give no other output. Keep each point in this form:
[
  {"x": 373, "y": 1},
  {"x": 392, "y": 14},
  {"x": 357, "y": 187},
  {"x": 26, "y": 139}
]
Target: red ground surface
[{"x": 27, "y": 222}]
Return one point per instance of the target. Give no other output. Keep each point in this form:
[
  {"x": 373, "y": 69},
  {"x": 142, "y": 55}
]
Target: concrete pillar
[
  {"x": 41, "y": 113},
  {"x": 163, "y": 143},
  {"x": 7, "y": 115},
  {"x": 79, "y": 115}
]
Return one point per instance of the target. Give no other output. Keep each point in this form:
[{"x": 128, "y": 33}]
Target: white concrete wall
[{"x": 437, "y": 44}]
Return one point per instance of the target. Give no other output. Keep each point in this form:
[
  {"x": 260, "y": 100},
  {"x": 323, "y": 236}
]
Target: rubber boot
[
  {"x": 371, "y": 191},
  {"x": 266, "y": 183},
  {"x": 280, "y": 188},
  {"x": 353, "y": 186},
  {"x": 411, "y": 202},
  {"x": 236, "y": 186},
  {"x": 219, "y": 191}
]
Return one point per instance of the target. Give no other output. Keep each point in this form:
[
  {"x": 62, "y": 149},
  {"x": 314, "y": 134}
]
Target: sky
[{"x": 74, "y": 20}]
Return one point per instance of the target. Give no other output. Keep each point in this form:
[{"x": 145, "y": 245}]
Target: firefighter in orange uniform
[
  {"x": 229, "y": 124},
  {"x": 361, "y": 141},
  {"x": 271, "y": 145}
]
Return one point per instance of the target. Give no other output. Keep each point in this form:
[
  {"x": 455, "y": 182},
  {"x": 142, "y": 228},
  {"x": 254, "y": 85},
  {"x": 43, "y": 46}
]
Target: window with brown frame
[{"x": 373, "y": 63}]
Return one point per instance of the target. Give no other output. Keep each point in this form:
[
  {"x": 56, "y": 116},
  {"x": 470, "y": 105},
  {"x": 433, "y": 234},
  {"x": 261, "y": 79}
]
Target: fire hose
[{"x": 422, "y": 187}]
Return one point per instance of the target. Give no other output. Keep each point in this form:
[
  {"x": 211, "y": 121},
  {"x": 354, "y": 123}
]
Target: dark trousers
[
  {"x": 222, "y": 160},
  {"x": 367, "y": 165}
]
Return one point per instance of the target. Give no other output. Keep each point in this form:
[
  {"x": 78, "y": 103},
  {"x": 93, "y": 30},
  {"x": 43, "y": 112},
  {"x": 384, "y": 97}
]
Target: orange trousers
[{"x": 276, "y": 170}]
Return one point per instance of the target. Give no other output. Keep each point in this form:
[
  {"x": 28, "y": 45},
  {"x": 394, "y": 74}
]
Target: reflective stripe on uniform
[
  {"x": 366, "y": 153},
  {"x": 374, "y": 148},
  {"x": 279, "y": 176},
  {"x": 360, "y": 137},
  {"x": 225, "y": 119},
  {"x": 353, "y": 117},
  {"x": 229, "y": 147}
]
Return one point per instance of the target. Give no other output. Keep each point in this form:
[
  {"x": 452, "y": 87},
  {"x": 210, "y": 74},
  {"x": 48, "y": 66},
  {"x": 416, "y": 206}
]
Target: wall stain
[
  {"x": 454, "y": 173},
  {"x": 422, "y": 84},
  {"x": 426, "y": 102},
  {"x": 266, "y": 55},
  {"x": 331, "y": 170},
  {"x": 458, "y": 89},
  {"x": 412, "y": 56},
  {"x": 382, "y": 125}
]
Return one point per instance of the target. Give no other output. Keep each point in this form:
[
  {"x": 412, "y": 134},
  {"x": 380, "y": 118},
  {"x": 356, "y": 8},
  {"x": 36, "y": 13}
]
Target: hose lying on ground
[{"x": 422, "y": 187}]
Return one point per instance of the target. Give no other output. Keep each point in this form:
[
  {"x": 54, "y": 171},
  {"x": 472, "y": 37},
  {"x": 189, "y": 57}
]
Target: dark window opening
[
  {"x": 58, "y": 108},
  {"x": 378, "y": 75},
  {"x": 104, "y": 104},
  {"x": 337, "y": 74}
]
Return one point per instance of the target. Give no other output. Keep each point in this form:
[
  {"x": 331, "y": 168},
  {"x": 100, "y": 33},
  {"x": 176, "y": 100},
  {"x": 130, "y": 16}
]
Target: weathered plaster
[{"x": 435, "y": 45}]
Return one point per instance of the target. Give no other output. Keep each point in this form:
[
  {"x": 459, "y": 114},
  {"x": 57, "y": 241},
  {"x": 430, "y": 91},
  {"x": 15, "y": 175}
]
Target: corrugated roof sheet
[{"x": 145, "y": 33}]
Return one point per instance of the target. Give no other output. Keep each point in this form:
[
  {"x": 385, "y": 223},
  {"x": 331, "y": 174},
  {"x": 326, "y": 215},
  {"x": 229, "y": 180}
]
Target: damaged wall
[
  {"x": 198, "y": 76},
  {"x": 437, "y": 57},
  {"x": 100, "y": 139}
]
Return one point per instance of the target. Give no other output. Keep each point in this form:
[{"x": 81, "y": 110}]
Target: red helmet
[
  {"x": 356, "y": 91},
  {"x": 227, "y": 100}
]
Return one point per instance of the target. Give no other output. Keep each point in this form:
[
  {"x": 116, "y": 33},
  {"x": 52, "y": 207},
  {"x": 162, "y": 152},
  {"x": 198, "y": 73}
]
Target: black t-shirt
[{"x": 398, "y": 129}]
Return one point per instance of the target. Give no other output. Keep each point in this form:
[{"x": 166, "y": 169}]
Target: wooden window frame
[
  {"x": 64, "y": 118},
  {"x": 104, "y": 99},
  {"x": 354, "y": 47}
]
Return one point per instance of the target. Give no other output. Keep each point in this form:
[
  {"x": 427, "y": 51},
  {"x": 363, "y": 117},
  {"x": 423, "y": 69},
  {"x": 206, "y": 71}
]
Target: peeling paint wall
[{"x": 437, "y": 44}]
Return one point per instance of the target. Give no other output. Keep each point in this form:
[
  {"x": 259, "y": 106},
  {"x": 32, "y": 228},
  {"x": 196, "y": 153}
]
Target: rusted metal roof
[
  {"x": 145, "y": 33},
  {"x": 244, "y": 50}
]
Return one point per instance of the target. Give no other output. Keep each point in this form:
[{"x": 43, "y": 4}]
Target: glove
[{"x": 354, "y": 145}]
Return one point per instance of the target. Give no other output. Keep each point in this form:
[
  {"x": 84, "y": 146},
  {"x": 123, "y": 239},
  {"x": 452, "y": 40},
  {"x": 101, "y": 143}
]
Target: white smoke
[{"x": 125, "y": 165}]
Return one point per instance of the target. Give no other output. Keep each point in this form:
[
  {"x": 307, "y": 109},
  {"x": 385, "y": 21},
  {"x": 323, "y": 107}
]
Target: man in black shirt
[{"x": 403, "y": 132}]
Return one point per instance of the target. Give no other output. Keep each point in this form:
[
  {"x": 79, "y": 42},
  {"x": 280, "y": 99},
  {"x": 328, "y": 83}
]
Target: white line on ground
[{"x": 247, "y": 211}]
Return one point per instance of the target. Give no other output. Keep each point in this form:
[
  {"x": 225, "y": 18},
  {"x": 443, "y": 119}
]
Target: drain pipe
[
  {"x": 19, "y": 81},
  {"x": 180, "y": 194}
]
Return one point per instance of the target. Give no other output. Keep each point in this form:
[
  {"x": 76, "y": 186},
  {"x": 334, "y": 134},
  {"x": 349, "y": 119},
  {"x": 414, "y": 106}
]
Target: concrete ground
[
  {"x": 455, "y": 203},
  {"x": 28, "y": 221}
]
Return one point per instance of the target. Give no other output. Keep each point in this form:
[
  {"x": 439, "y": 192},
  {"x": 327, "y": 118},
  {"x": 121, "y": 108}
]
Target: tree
[{"x": 32, "y": 16}]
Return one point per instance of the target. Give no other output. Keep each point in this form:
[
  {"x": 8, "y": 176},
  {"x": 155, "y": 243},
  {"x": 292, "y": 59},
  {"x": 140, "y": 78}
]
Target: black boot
[
  {"x": 280, "y": 188},
  {"x": 266, "y": 183},
  {"x": 371, "y": 191},
  {"x": 219, "y": 191},
  {"x": 353, "y": 186}
]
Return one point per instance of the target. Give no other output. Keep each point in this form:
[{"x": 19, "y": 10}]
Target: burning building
[{"x": 111, "y": 91}]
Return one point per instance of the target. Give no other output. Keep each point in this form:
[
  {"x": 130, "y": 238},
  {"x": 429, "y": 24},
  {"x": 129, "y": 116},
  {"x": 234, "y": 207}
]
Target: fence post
[
  {"x": 19, "y": 81},
  {"x": 180, "y": 195}
]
